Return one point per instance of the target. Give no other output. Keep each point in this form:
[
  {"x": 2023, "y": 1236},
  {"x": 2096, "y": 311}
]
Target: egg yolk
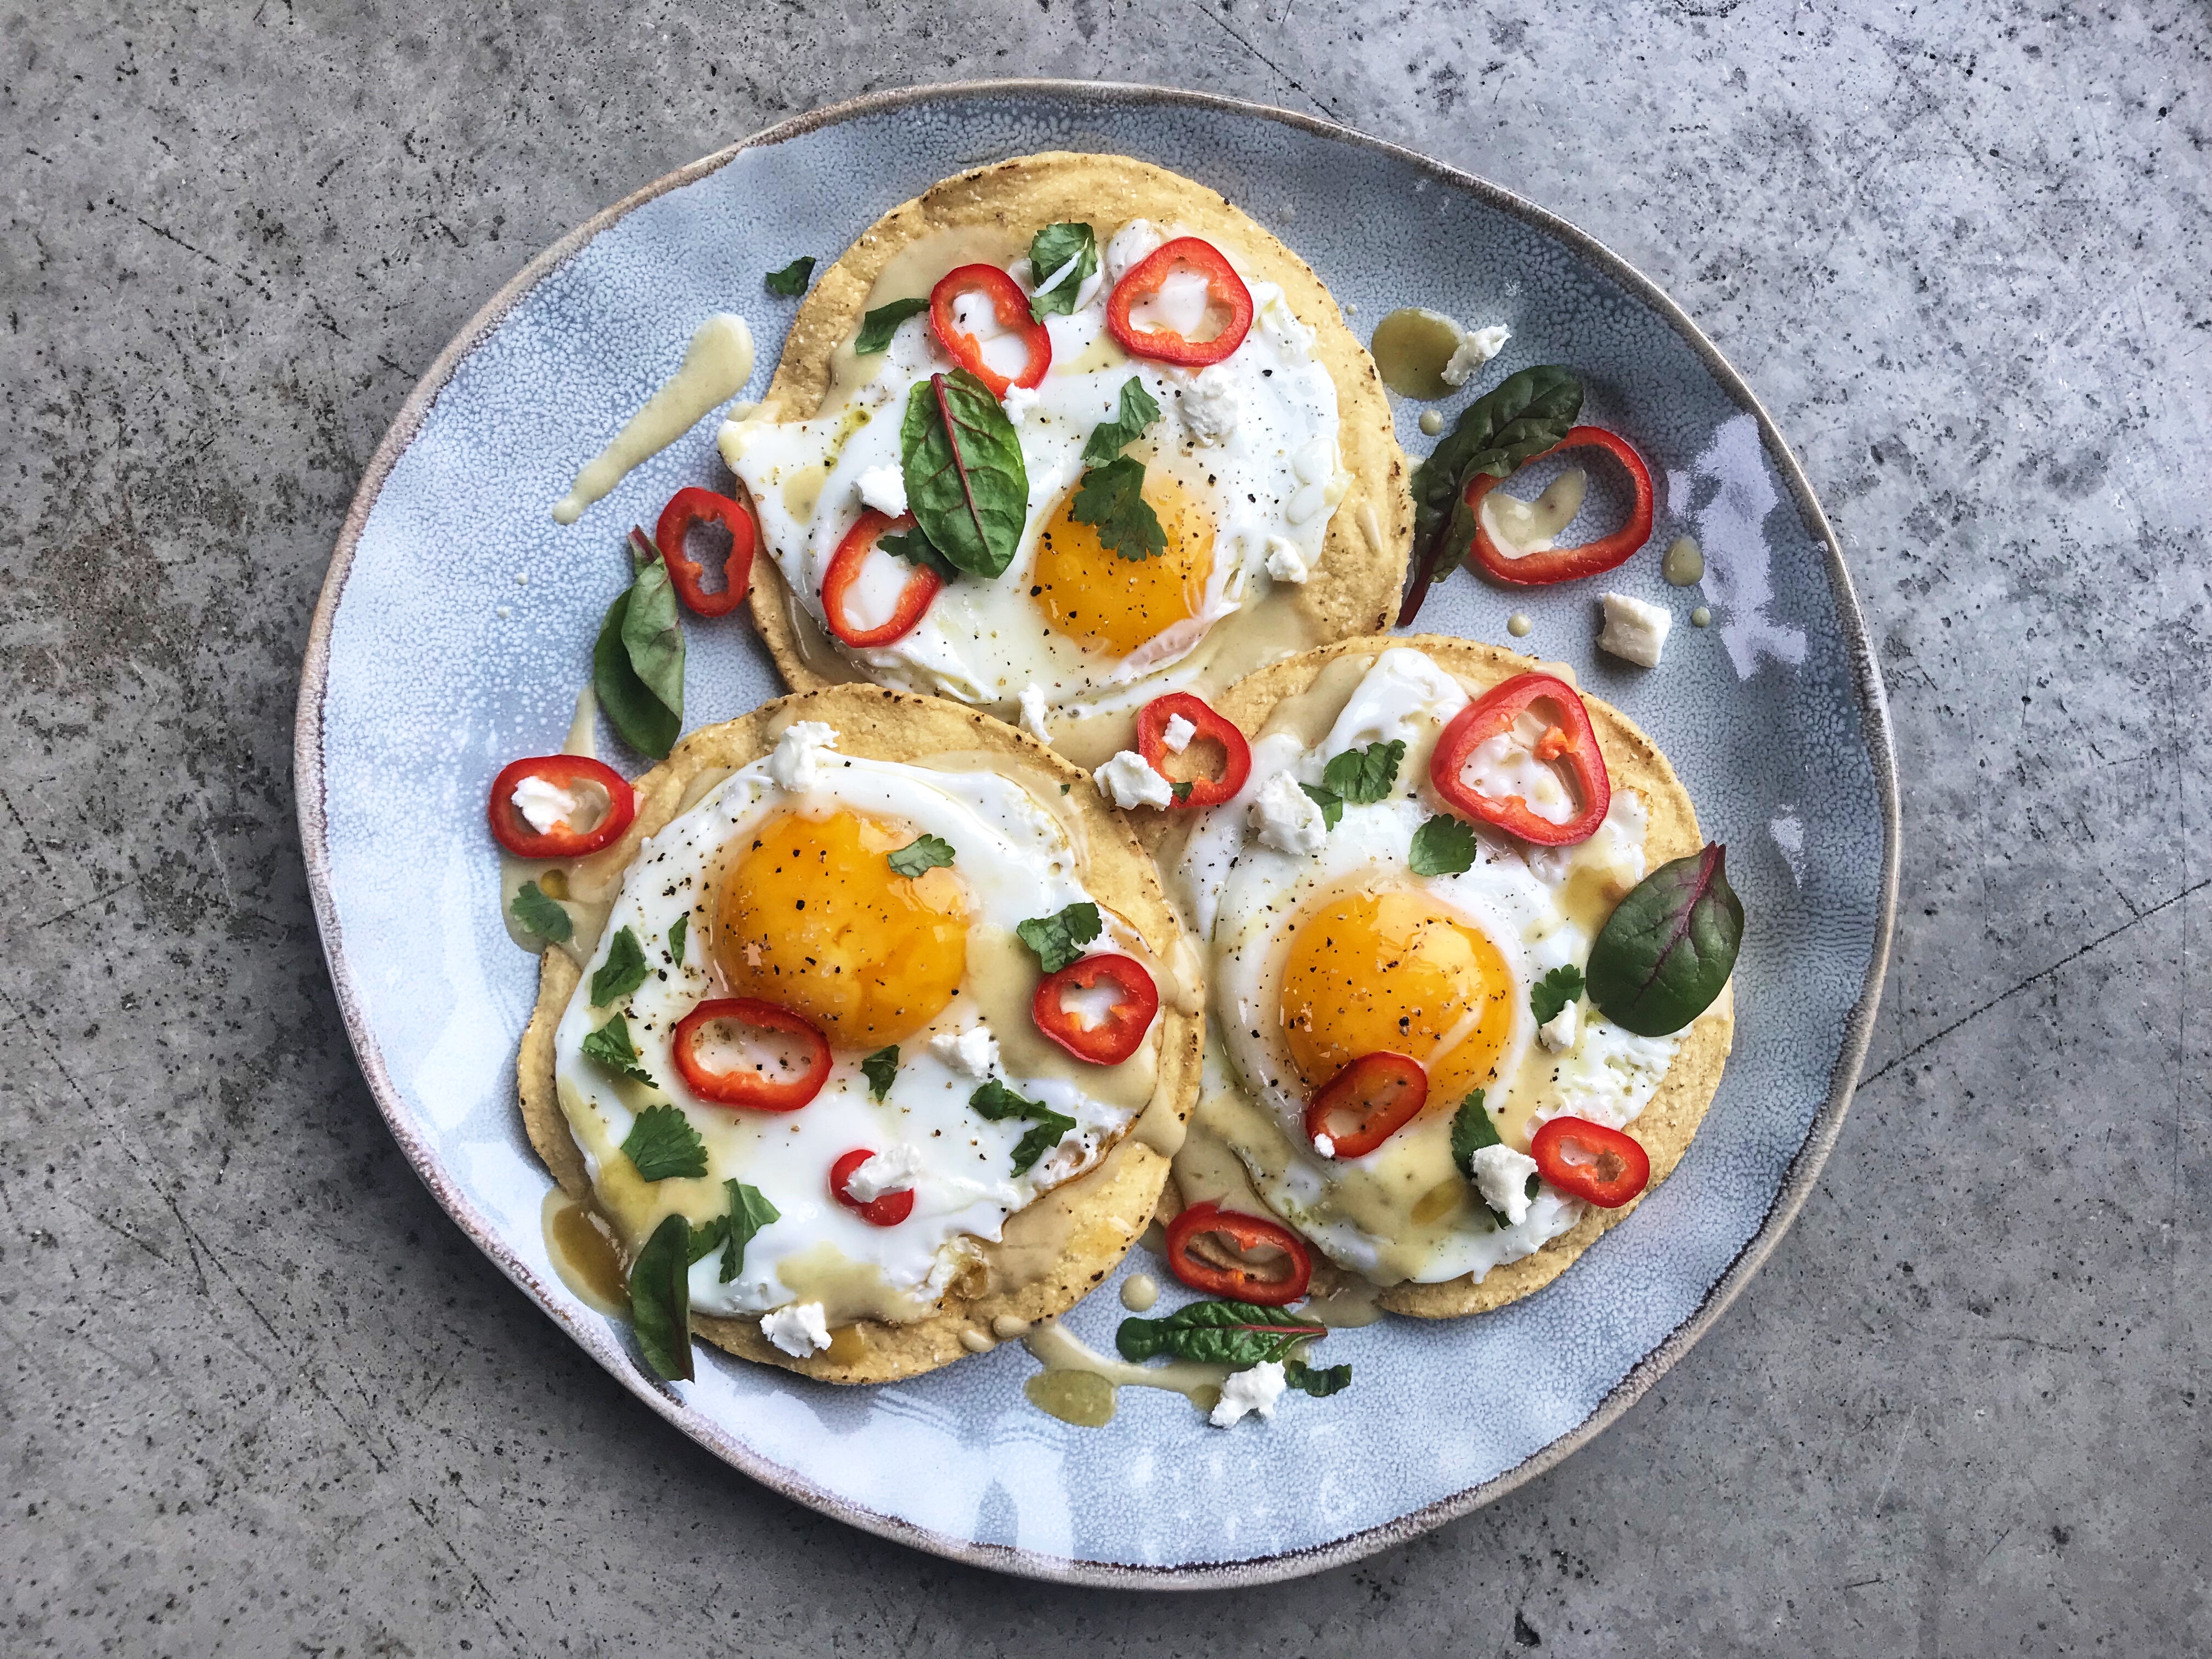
[
  {"x": 1107, "y": 603},
  {"x": 1395, "y": 970},
  {"x": 811, "y": 916}
]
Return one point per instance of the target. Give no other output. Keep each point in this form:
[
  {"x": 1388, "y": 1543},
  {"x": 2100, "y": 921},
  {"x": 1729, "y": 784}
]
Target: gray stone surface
[{"x": 261, "y": 1397}]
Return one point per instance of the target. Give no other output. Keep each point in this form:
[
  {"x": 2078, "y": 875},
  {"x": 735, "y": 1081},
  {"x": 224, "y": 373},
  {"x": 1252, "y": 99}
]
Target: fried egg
[
  {"x": 1325, "y": 945},
  {"x": 1242, "y": 464},
  {"x": 780, "y": 880}
]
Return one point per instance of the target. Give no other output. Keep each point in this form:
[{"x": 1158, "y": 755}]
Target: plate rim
[{"x": 1789, "y": 1198}]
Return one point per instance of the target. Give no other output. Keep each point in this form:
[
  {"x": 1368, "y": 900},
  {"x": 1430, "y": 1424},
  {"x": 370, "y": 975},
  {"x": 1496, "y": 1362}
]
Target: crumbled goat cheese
[
  {"x": 1502, "y": 1173},
  {"x": 884, "y": 487},
  {"x": 1634, "y": 631},
  {"x": 1128, "y": 780},
  {"x": 974, "y": 1051},
  {"x": 798, "y": 1330},
  {"x": 1287, "y": 819},
  {"x": 890, "y": 1171},
  {"x": 1177, "y": 733},
  {"x": 1285, "y": 563},
  {"x": 1254, "y": 1390},
  {"x": 797, "y": 763},
  {"x": 1476, "y": 348},
  {"x": 543, "y": 804},
  {"x": 1558, "y": 1033}
]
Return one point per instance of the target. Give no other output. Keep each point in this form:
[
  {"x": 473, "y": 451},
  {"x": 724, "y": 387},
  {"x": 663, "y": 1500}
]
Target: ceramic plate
[{"x": 432, "y": 663}]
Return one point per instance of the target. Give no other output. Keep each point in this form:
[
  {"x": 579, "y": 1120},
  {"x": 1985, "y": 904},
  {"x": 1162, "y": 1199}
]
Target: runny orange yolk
[
  {"x": 811, "y": 916},
  {"x": 1107, "y": 603},
  {"x": 1395, "y": 970}
]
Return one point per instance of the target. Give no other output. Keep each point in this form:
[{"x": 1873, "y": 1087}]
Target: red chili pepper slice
[
  {"x": 1367, "y": 1102},
  {"x": 1114, "y": 1038},
  {"x": 837, "y": 583},
  {"x": 1268, "y": 1282},
  {"x": 1561, "y": 564},
  {"x": 569, "y": 773},
  {"x": 1590, "y": 1162},
  {"x": 1237, "y": 754},
  {"x": 1011, "y": 307},
  {"x": 888, "y": 1211},
  {"x": 1571, "y": 745},
  {"x": 690, "y": 506},
  {"x": 1223, "y": 289},
  {"x": 751, "y": 1086}
]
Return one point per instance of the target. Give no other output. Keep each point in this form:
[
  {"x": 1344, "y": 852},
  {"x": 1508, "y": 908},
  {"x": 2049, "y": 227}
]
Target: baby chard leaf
[
  {"x": 966, "y": 484},
  {"x": 1218, "y": 1333},
  {"x": 647, "y": 724},
  {"x": 660, "y": 1298},
  {"x": 1668, "y": 949}
]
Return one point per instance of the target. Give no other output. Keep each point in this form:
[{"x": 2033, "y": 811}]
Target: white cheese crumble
[
  {"x": 1019, "y": 401},
  {"x": 1132, "y": 244},
  {"x": 1634, "y": 631},
  {"x": 974, "y": 1051},
  {"x": 1285, "y": 563},
  {"x": 1324, "y": 1145},
  {"x": 1502, "y": 1173},
  {"x": 1209, "y": 407},
  {"x": 884, "y": 487},
  {"x": 1287, "y": 819},
  {"x": 890, "y": 1170},
  {"x": 1476, "y": 348},
  {"x": 797, "y": 763},
  {"x": 1177, "y": 733},
  {"x": 543, "y": 804},
  {"x": 1129, "y": 781},
  {"x": 1033, "y": 713},
  {"x": 798, "y": 1329},
  {"x": 1558, "y": 1033},
  {"x": 1249, "y": 1391}
]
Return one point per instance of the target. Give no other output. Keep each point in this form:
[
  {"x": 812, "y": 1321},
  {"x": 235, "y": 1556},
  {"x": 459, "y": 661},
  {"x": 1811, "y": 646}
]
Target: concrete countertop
[{"x": 262, "y": 1397}]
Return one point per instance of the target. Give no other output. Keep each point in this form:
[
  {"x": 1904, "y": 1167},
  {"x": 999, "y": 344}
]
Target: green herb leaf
[
  {"x": 917, "y": 549},
  {"x": 749, "y": 1213},
  {"x": 622, "y": 972},
  {"x": 541, "y": 915},
  {"x": 1051, "y": 248},
  {"x": 881, "y": 1068},
  {"x": 706, "y": 1240},
  {"x": 997, "y": 1103},
  {"x": 660, "y": 1298},
  {"x": 611, "y": 1046},
  {"x": 1136, "y": 412},
  {"x": 652, "y": 628},
  {"x": 1111, "y": 499},
  {"x": 879, "y": 324},
  {"x": 647, "y": 724},
  {"x": 1668, "y": 949},
  {"x": 966, "y": 482},
  {"x": 1364, "y": 776},
  {"x": 1472, "y": 1131},
  {"x": 1181, "y": 791},
  {"x": 920, "y": 855},
  {"x": 791, "y": 281},
  {"x": 676, "y": 938},
  {"x": 1319, "y": 1383},
  {"x": 661, "y": 1143},
  {"x": 1331, "y": 805},
  {"x": 1443, "y": 846},
  {"x": 1218, "y": 1333},
  {"x": 1553, "y": 992},
  {"x": 1516, "y": 421},
  {"x": 1059, "y": 939}
]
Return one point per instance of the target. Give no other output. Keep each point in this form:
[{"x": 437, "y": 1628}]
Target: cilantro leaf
[
  {"x": 1059, "y": 939},
  {"x": 1553, "y": 992},
  {"x": 1111, "y": 499},
  {"x": 1051, "y": 248},
  {"x": 879, "y": 324},
  {"x": 622, "y": 972},
  {"x": 660, "y": 1298},
  {"x": 1443, "y": 846},
  {"x": 791, "y": 281},
  {"x": 920, "y": 855},
  {"x": 1218, "y": 1333},
  {"x": 1472, "y": 1131},
  {"x": 662, "y": 1143},
  {"x": 541, "y": 915},
  {"x": 1109, "y": 438},
  {"x": 1319, "y": 1382},
  {"x": 997, "y": 1103},
  {"x": 750, "y": 1212},
  {"x": 611, "y": 1046},
  {"x": 676, "y": 933},
  {"x": 880, "y": 1068},
  {"x": 706, "y": 1240},
  {"x": 1331, "y": 805},
  {"x": 916, "y": 548},
  {"x": 1364, "y": 776}
]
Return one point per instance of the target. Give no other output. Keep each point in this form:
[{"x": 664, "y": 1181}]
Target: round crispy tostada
[
  {"x": 1055, "y": 1250},
  {"x": 1665, "y": 1126},
  {"x": 1354, "y": 589}
]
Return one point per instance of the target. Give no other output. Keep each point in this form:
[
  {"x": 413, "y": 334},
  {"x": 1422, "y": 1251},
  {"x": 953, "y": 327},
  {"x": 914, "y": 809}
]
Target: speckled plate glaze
[{"x": 431, "y": 664}]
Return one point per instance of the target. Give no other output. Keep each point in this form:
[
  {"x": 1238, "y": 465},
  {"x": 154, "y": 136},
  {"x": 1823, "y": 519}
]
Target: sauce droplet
[
  {"x": 1701, "y": 617},
  {"x": 716, "y": 366},
  {"x": 1008, "y": 1326},
  {"x": 1412, "y": 347},
  {"x": 1684, "y": 564},
  {"x": 1139, "y": 1291},
  {"x": 976, "y": 1341},
  {"x": 1433, "y": 421},
  {"x": 1520, "y": 625},
  {"x": 582, "y": 1246},
  {"x": 1077, "y": 1397}
]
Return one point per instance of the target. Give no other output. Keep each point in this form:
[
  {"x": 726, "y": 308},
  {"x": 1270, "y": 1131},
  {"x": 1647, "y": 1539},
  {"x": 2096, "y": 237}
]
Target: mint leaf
[
  {"x": 622, "y": 972},
  {"x": 1668, "y": 949},
  {"x": 880, "y": 1068},
  {"x": 1553, "y": 992},
  {"x": 997, "y": 1103},
  {"x": 791, "y": 281},
  {"x": 750, "y": 1212},
  {"x": 1364, "y": 776},
  {"x": 1443, "y": 846},
  {"x": 1059, "y": 939},
  {"x": 1109, "y": 438},
  {"x": 645, "y": 723},
  {"x": 662, "y": 1143},
  {"x": 611, "y": 1046},
  {"x": 541, "y": 915},
  {"x": 920, "y": 855},
  {"x": 917, "y": 549},
  {"x": 1319, "y": 1383},
  {"x": 966, "y": 482},
  {"x": 1331, "y": 805},
  {"x": 1051, "y": 248},
  {"x": 1472, "y": 1131},
  {"x": 1111, "y": 499},
  {"x": 675, "y": 935},
  {"x": 1238, "y": 1334},
  {"x": 660, "y": 1298},
  {"x": 879, "y": 324}
]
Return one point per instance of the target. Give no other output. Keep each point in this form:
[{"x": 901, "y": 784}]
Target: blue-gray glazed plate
[{"x": 433, "y": 662}]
